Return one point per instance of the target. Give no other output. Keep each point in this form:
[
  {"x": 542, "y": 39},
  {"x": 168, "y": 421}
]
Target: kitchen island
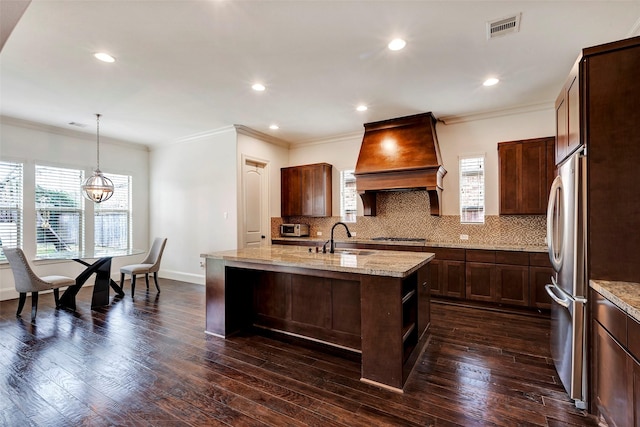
[{"x": 372, "y": 303}]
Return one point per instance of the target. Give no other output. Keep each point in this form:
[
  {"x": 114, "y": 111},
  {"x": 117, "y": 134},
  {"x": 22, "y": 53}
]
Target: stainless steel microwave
[{"x": 294, "y": 230}]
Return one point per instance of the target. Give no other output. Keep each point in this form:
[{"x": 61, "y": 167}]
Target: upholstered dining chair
[
  {"x": 151, "y": 264},
  {"x": 27, "y": 281}
]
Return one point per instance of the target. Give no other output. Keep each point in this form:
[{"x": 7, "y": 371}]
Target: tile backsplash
[{"x": 406, "y": 214}]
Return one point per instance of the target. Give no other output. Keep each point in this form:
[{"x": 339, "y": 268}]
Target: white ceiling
[{"x": 185, "y": 67}]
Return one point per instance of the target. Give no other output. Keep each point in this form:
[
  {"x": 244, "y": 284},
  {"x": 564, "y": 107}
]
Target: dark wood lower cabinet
[
  {"x": 481, "y": 282},
  {"x": 636, "y": 393},
  {"x": 512, "y": 284},
  {"x": 539, "y": 277},
  {"x": 448, "y": 278},
  {"x": 453, "y": 279},
  {"x": 613, "y": 384},
  {"x": 615, "y": 369}
]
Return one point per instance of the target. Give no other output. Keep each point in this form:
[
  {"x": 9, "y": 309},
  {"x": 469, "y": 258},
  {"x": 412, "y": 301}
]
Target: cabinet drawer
[
  {"x": 539, "y": 259},
  {"x": 633, "y": 337},
  {"x": 447, "y": 253},
  {"x": 513, "y": 258},
  {"x": 477, "y": 255},
  {"x": 610, "y": 317}
]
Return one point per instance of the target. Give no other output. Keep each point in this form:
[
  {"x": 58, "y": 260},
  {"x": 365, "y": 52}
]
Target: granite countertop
[
  {"x": 625, "y": 295},
  {"x": 427, "y": 243},
  {"x": 372, "y": 262}
]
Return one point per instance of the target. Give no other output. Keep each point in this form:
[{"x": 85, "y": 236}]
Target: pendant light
[{"x": 97, "y": 187}]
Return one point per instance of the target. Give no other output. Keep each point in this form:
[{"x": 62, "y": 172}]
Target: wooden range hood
[{"x": 397, "y": 155}]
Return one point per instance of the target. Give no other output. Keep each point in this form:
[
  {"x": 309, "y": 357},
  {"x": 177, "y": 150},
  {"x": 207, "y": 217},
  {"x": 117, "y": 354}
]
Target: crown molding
[
  {"x": 635, "y": 30},
  {"x": 247, "y": 131},
  {"x": 201, "y": 135},
  {"x": 331, "y": 139},
  {"x": 71, "y": 133},
  {"x": 450, "y": 120}
]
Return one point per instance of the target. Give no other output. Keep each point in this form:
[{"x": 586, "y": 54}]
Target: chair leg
[
  {"x": 21, "y": 301},
  {"x": 121, "y": 280},
  {"x": 56, "y": 296},
  {"x": 155, "y": 279},
  {"x": 146, "y": 278},
  {"x": 133, "y": 284},
  {"x": 34, "y": 305}
]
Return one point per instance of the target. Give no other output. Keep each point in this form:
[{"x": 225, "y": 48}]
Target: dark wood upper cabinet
[
  {"x": 610, "y": 101},
  {"x": 306, "y": 190},
  {"x": 526, "y": 169},
  {"x": 568, "y": 116}
]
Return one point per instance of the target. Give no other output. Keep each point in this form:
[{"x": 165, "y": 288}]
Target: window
[
  {"x": 112, "y": 226},
  {"x": 348, "y": 196},
  {"x": 10, "y": 205},
  {"x": 472, "y": 189},
  {"x": 59, "y": 210}
]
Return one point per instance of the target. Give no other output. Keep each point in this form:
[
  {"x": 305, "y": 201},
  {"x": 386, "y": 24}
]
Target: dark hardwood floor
[{"x": 147, "y": 362}]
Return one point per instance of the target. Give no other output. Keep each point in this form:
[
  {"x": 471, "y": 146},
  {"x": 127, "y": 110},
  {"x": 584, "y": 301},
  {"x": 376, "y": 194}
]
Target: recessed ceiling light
[
  {"x": 361, "y": 108},
  {"x": 490, "y": 82},
  {"x": 259, "y": 87},
  {"x": 397, "y": 44},
  {"x": 274, "y": 127},
  {"x": 104, "y": 57}
]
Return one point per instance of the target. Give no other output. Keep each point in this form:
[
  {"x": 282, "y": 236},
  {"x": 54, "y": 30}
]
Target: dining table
[{"x": 95, "y": 261}]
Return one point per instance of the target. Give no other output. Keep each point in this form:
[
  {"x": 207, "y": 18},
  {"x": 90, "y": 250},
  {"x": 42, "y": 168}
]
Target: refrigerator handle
[
  {"x": 553, "y": 225},
  {"x": 565, "y": 302}
]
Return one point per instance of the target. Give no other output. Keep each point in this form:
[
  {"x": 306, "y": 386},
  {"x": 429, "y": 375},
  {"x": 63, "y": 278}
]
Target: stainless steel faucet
[{"x": 332, "y": 246}]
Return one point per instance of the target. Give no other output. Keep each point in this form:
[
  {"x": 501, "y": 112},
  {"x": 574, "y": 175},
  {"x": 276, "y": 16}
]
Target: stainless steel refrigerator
[{"x": 566, "y": 239}]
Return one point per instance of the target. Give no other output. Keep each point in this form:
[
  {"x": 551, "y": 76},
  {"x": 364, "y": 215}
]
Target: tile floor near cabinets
[{"x": 148, "y": 362}]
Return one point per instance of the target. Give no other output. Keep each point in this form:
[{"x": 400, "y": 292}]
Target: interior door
[{"x": 255, "y": 207}]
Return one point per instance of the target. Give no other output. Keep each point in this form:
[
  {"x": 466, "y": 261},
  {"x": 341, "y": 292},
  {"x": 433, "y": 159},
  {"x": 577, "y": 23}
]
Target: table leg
[
  {"x": 102, "y": 268},
  {"x": 101, "y": 287}
]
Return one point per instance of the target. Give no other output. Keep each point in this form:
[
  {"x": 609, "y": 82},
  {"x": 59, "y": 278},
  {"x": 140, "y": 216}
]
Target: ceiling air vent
[{"x": 503, "y": 26}]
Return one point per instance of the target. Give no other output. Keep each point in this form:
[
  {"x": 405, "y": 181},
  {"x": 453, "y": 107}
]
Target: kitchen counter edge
[
  {"x": 384, "y": 263},
  {"x": 625, "y": 295}
]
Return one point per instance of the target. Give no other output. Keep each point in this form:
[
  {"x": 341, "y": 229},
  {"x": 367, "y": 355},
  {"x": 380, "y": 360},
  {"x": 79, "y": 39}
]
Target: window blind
[
  {"x": 348, "y": 196},
  {"x": 112, "y": 228},
  {"x": 472, "y": 189},
  {"x": 11, "y": 213},
  {"x": 59, "y": 209}
]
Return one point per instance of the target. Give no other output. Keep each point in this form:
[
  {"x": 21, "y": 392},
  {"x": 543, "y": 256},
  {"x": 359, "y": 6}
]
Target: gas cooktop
[{"x": 401, "y": 239}]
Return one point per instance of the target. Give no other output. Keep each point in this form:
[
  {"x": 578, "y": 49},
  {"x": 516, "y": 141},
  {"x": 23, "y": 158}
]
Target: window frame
[
  {"x": 73, "y": 187},
  {"x": 348, "y": 215},
  {"x": 100, "y": 210},
  {"x": 466, "y": 215},
  {"x": 15, "y": 204}
]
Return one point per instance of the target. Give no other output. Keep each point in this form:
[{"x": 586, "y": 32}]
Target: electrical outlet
[
  {"x": 353, "y": 234},
  {"x": 318, "y": 233},
  {"x": 201, "y": 264},
  {"x": 464, "y": 237}
]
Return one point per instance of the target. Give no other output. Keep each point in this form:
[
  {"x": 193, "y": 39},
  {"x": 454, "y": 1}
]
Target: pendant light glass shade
[{"x": 97, "y": 187}]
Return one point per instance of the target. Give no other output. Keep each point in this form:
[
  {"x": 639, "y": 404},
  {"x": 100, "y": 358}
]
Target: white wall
[
  {"x": 33, "y": 144},
  {"x": 469, "y": 137},
  {"x": 192, "y": 184}
]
